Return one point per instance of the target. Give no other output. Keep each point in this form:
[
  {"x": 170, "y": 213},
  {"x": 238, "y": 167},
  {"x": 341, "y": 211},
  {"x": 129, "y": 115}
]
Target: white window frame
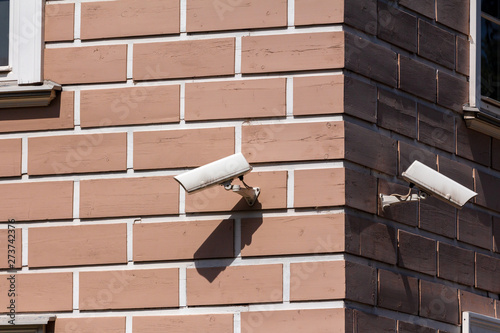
[
  {"x": 23, "y": 329},
  {"x": 476, "y": 323},
  {"x": 25, "y": 43}
]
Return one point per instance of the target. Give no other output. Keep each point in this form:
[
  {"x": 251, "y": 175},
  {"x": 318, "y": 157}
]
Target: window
[
  {"x": 490, "y": 51},
  {"x": 476, "y": 323},
  {"x": 4, "y": 33},
  {"x": 23, "y": 329}
]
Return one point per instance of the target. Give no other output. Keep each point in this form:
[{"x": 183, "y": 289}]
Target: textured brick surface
[
  {"x": 46, "y": 201},
  {"x": 10, "y": 165},
  {"x": 454, "y": 14},
  {"x": 319, "y": 187},
  {"x": 424, "y": 7},
  {"x": 317, "y": 280},
  {"x": 462, "y": 56},
  {"x": 436, "y": 128},
  {"x": 183, "y": 240},
  {"x": 39, "y": 292},
  {"x": 417, "y": 253},
  {"x": 432, "y": 210},
  {"x": 408, "y": 154},
  {"x": 212, "y": 16},
  {"x": 124, "y": 18},
  {"x": 457, "y": 171},
  {"x": 296, "y": 321},
  {"x": 473, "y": 145},
  {"x": 59, "y": 22},
  {"x": 234, "y": 285},
  {"x": 293, "y": 142},
  {"x": 318, "y": 95},
  {"x": 417, "y": 78},
  {"x": 130, "y": 106},
  {"x": 77, "y": 245},
  {"x": 487, "y": 269},
  {"x": 495, "y": 154},
  {"x": 455, "y": 264},
  {"x": 235, "y": 99},
  {"x": 318, "y": 12},
  {"x": 396, "y": 113},
  {"x": 295, "y": 52},
  {"x": 439, "y": 302},
  {"x": 204, "y": 146},
  {"x": 436, "y": 44},
  {"x": 397, "y": 27},
  {"x": 476, "y": 303},
  {"x": 361, "y": 191},
  {"x": 487, "y": 186},
  {"x": 15, "y": 240},
  {"x": 220, "y": 323},
  {"x": 397, "y": 292},
  {"x": 474, "y": 227},
  {"x": 298, "y": 235},
  {"x": 364, "y": 108},
  {"x": 361, "y": 283},
  {"x": 128, "y": 196},
  {"x": 366, "y": 323},
  {"x": 105, "y": 63},
  {"x": 411, "y": 328},
  {"x": 77, "y": 153},
  {"x": 453, "y": 92},
  {"x": 91, "y": 325},
  {"x": 361, "y": 14},
  {"x": 184, "y": 59},
  {"x": 129, "y": 289},
  {"x": 496, "y": 234}
]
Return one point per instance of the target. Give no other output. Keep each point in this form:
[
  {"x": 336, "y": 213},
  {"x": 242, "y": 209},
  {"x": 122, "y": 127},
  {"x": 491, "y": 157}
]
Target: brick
[
  {"x": 370, "y": 240},
  {"x": 10, "y": 165},
  {"x": 296, "y": 321},
  {"x": 361, "y": 283},
  {"x": 411, "y": 328},
  {"x": 365, "y": 323},
  {"x": 65, "y": 154},
  {"x": 223, "y": 15},
  {"x": 454, "y": 14},
  {"x": 58, "y": 115},
  {"x": 462, "y": 55},
  {"x": 436, "y": 128},
  {"x": 432, "y": 210},
  {"x": 424, "y": 7},
  {"x": 457, "y": 171},
  {"x": 360, "y": 191},
  {"x": 128, "y": 197},
  {"x": 361, "y": 14},
  {"x": 436, "y": 44},
  {"x": 487, "y": 269},
  {"x": 477, "y": 304},
  {"x": 455, "y": 264},
  {"x": 416, "y": 253},
  {"x": 397, "y": 292},
  {"x": 314, "y": 95},
  {"x": 312, "y": 12},
  {"x": 129, "y": 289},
  {"x": 318, "y": 280},
  {"x": 204, "y": 146},
  {"x": 396, "y": 113},
  {"x": 129, "y": 18},
  {"x": 293, "y": 142},
  {"x": 235, "y": 99},
  {"x": 130, "y": 106},
  {"x": 453, "y": 92},
  {"x": 495, "y": 154},
  {"x": 234, "y": 285},
  {"x": 39, "y": 292},
  {"x": 97, "y": 64},
  {"x": 184, "y": 59},
  {"x": 475, "y": 227},
  {"x": 371, "y": 60},
  {"x": 408, "y": 154},
  {"x": 273, "y": 187},
  {"x": 292, "y": 52},
  {"x": 14, "y": 238},
  {"x": 404, "y": 213},
  {"x": 183, "y": 240},
  {"x": 417, "y": 79},
  {"x": 91, "y": 325},
  {"x": 46, "y": 201},
  {"x": 370, "y": 149},
  {"x": 298, "y": 234},
  {"x": 364, "y": 108},
  {"x": 487, "y": 186},
  {"x": 439, "y": 302},
  {"x": 397, "y": 27},
  {"x": 59, "y": 22},
  {"x": 77, "y": 245},
  {"x": 219, "y": 323},
  {"x": 496, "y": 234},
  {"x": 473, "y": 145}
]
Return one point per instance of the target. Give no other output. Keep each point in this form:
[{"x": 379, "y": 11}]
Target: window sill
[
  {"x": 16, "y": 96},
  {"x": 480, "y": 121},
  {"x": 473, "y": 322}
]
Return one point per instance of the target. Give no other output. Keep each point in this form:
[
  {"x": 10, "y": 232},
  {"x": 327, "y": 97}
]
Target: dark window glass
[
  {"x": 491, "y": 7},
  {"x": 490, "y": 67},
  {"x": 4, "y": 32}
]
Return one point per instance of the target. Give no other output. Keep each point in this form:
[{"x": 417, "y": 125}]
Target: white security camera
[
  {"x": 430, "y": 182},
  {"x": 220, "y": 172}
]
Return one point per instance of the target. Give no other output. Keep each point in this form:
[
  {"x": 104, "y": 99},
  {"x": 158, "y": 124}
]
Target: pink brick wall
[{"x": 330, "y": 101}]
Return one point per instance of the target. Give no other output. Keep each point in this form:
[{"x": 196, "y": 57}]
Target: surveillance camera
[
  {"x": 433, "y": 183},
  {"x": 220, "y": 172}
]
